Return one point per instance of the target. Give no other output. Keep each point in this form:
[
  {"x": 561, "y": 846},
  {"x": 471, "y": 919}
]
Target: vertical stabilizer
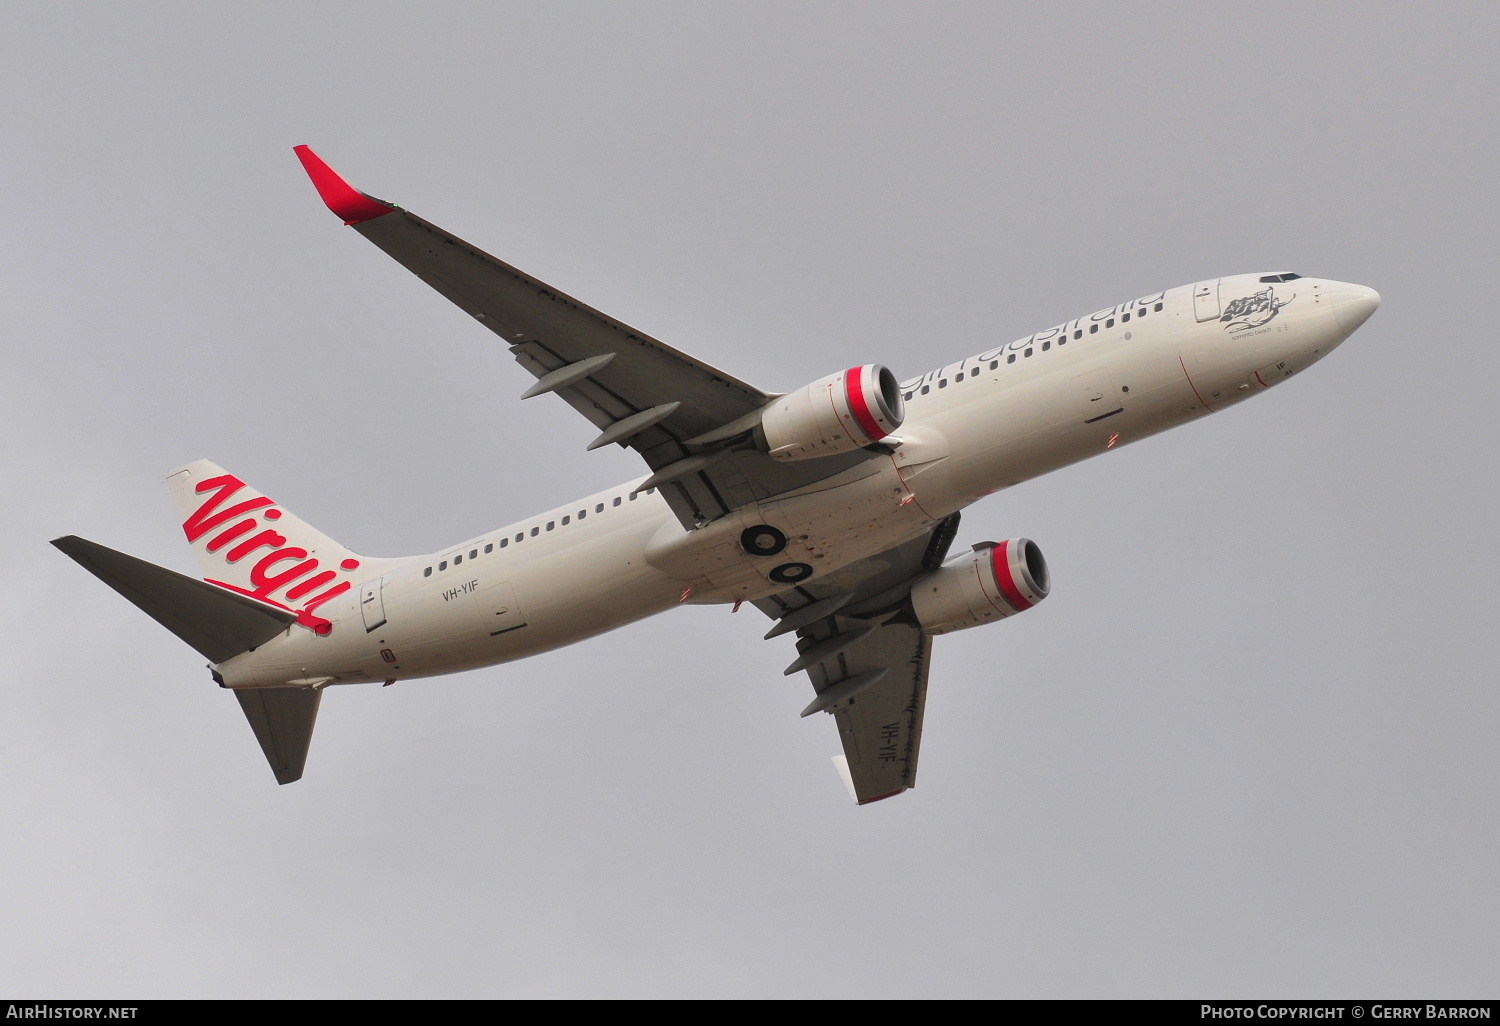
[{"x": 249, "y": 543}]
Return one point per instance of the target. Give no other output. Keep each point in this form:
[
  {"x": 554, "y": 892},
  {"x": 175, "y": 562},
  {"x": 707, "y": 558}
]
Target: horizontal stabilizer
[
  {"x": 282, "y": 719},
  {"x": 218, "y": 623}
]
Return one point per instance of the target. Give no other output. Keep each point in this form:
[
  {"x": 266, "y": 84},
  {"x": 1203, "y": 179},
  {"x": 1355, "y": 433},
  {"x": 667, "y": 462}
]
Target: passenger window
[
  {"x": 1063, "y": 341},
  {"x": 1078, "y": 334},
  {"x": 1110, "y": 323},
  {"x": 491, "y": 547},
  {"x": 1093, "y": 329},
  {"x": 943, "y": 383},
  {"x": 427, "y": 572},
  {"x": 959, "y": 376},
  {"x": 443, "y": 565},
  {"x": 521, "y": 537},
  {"x": 599, "y": 508},
  {"x": 617, "y": 500},
  {"x": 1157, "y": 308},
  {"x": 458, "y": 559},
  {"x": 1046, "y": 346},
  {"x": 633, "y": 495},
  {"x": 994, "y": 364},
  {"x": 1028, "y": 350},
  {"x": 926, "y": 389},
  {"x": 908, "y": 396},
  {"x": 1011, "y": 358},
  {"x": 473, "y": 553},
  {"x": 650, "y": 491},
  {"x": 1141, "y": 312},
  {"x": 567, "y": 521},
  {"x": 535, "y": 531},
  {"x": 1125, "y": 318},
  {"x": 504, "y": 542},
  {"x": 551, "y": 524}
]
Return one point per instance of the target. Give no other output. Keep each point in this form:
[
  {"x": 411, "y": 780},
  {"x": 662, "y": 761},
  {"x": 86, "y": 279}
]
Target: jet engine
[
  {"x": 995, "y": 580},
  {"x": 840, "y": 413}
]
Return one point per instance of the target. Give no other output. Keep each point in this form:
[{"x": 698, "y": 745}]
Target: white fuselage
[{"x": 990, "y": 421}]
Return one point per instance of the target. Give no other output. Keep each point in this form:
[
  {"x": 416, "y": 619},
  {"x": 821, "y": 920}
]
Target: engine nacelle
[
  {"x": 840, "y": 413},
  {"x": 996, "y": 580}
]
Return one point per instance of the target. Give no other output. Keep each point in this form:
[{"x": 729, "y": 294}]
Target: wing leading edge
[{"x": 637, "y": 391}]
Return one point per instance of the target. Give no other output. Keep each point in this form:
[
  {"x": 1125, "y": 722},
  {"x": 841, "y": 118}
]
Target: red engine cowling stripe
[
  {"x": 854, "y": 388},
  {"x": 1001, "y": 557}
]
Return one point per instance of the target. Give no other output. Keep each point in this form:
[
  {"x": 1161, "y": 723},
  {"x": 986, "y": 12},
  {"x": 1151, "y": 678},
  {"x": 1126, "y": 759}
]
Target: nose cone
[{"x": 1353, "y": 305}]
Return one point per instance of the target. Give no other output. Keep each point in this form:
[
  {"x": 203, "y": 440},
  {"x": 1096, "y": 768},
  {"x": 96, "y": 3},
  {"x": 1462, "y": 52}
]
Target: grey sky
[{"x": 1247, "y": 747}]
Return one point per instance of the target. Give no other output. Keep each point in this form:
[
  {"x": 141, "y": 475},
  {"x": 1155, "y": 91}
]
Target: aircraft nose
[{"x": 1353, "y": 305}]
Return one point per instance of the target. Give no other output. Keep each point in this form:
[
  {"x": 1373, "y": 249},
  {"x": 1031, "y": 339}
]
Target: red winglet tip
[{"x": 342, "y": 198}]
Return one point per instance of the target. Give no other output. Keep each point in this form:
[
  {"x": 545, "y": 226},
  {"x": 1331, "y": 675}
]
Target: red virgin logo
[{"x": 278, "y": 567}]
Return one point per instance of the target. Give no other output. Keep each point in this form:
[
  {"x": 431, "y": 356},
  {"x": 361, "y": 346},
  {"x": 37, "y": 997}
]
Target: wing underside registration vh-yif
[{"x": 832, "y": 508}]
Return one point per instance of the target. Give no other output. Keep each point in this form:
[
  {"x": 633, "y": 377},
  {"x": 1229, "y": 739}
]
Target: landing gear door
[
  {"x": 1206, "y": 300},
  {"x": 372, "y": 603}
]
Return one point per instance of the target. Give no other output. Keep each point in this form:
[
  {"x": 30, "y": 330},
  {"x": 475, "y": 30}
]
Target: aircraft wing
[
  {"x": 867, "y": 664},
  {"x": 637, "y": 391}
]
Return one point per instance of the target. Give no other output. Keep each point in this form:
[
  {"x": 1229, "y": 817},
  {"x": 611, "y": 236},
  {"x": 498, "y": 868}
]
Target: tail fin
[{"x": 249, "y": 543}]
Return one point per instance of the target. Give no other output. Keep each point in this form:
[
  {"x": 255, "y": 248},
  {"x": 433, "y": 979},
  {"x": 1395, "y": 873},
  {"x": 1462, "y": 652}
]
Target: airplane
[{"x": 830, "y": 508}]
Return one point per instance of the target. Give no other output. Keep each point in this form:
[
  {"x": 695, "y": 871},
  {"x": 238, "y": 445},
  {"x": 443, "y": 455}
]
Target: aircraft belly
[
  {"x": 829, "y": 530},
  {"x": 825, "y": 529}
]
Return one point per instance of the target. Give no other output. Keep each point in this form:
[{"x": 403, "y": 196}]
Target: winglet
[{"x": 342, "y": 198}]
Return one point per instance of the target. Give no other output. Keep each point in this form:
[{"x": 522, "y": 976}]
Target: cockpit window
[{"x": 1272, "y": 279}]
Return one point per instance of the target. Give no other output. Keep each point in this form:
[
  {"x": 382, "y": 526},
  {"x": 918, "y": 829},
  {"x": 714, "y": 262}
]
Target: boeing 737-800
[{"x": 831, "y": 508}]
